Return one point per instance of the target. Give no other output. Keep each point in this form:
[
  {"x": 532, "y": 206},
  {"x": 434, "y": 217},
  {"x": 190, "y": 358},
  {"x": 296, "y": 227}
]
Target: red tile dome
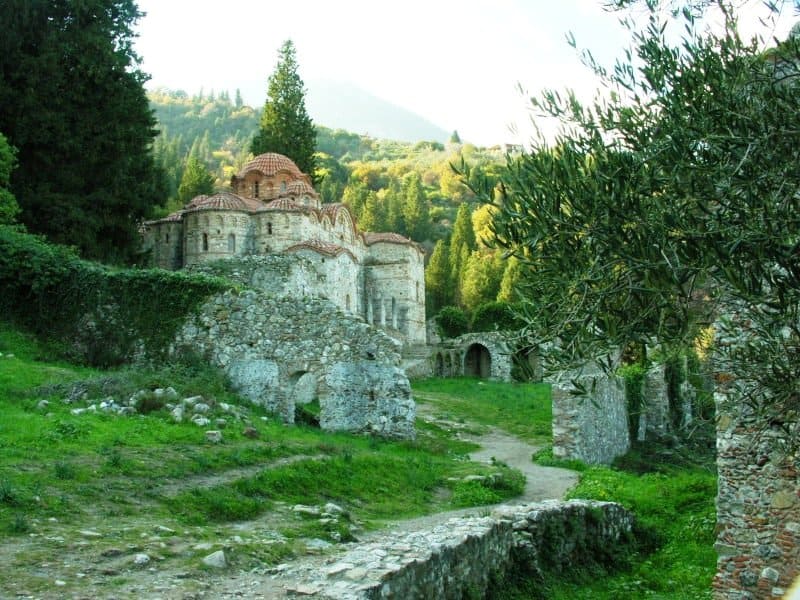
[{"x": 269, "y": 164}]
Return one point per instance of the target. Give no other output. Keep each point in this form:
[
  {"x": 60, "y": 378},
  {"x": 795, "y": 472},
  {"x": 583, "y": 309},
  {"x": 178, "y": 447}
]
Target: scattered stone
[
  {"x": 60, "y": 582},
  {"x": 317, "y": 544},
  {"x": 90, "y": 533},
  {"x": 77, "y": 411},
  {"x": 216, "y": 560},
  {"x": 203, "y": 546},
  {"x": 177, "y": 414},
  {"x": 214, "y": 436},
  {"x": 111, "y": 552},
  {"x": 200, "y": 421},
  {"x": 201, "y": 408},
  {"x": 333, "y": 509},
  {"x": 141, "y": 559},
  {"x": 304, "y": 590},
  {"x": 163, "y": 529},
  {"x": 302, "y": 509},
  {"x": 192, "y": 400},
  {"x": 43, "y": 404},
  {"x": 220, "y": 423},
  {"x": 251, "y": 432}
]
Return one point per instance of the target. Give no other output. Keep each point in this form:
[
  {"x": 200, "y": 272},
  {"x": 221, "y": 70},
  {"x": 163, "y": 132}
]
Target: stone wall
[
  {"x": 461, "y": 558},
  {"x": 758, "y": 502},
  {"x": 592, "y": 428},
  {"x": 485, "y": 354},
  {"x": 268, "y": 345}
]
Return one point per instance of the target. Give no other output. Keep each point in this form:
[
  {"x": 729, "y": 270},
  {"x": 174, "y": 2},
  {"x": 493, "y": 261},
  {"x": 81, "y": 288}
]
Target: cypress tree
[{"x": 285, "y": 126}]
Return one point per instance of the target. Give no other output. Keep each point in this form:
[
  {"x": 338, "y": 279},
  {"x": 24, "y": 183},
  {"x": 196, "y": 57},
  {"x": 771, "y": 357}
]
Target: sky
[{"x": 458, "y": 63}]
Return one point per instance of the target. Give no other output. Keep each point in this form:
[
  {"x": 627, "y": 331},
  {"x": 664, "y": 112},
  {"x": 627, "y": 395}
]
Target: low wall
[
  {"x": 491, "y": 356},
  {"x": 463, "y": 557},
  {"x": 592, "y": 428},
  {"x": 280, "y": 351}
]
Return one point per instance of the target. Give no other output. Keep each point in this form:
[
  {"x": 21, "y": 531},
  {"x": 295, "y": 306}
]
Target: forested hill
[{"x": 409, "y": 188}]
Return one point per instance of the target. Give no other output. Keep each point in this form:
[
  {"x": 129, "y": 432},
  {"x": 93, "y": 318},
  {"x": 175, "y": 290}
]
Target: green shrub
[
  {"x": 104, "y": 315},
  {"x": 495, "y": 316},
  {"x": 452, "y": 322},
  {"x": 633, "y": 376}
]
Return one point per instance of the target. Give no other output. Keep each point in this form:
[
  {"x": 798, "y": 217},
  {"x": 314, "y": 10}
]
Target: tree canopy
[
  {"x": 8, "y": 204},
  {"x": 285, "y": 126},
  {"x": 669, "y": 203},
  {"x": 72, "y": 102}
]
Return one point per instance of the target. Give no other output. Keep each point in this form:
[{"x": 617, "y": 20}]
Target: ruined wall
[
  {"x": 591, "y": 428},
  {"x": 451, "y": 357},
  {"x": 459, "y": 558},
  {"x": 394, "y": 284},
  {"x": 654, "y": 420},
  {"x": 268, "y": 344},
  {"x": 227, "y": 233},
  {"x": 758, "y": 502}
]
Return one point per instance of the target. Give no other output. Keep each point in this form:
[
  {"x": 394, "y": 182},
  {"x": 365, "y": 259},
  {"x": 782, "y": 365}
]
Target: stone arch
[
  {"x": 439, "y": 367},
  {"x": 478, "y": 361},
  {"x": 302, "y": 397},
  {"x": 447, "y": 368},
  {"x": 232, "y": 243}
]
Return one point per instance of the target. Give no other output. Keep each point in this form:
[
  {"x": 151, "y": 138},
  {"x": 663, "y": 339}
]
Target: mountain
[{"x": 344, "y": 106}]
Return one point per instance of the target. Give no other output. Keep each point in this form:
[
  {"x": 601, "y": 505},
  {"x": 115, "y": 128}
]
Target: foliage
[
  {"x": 285, "y": 126},
  {"x": 8, "y": 204},
  {"x": 633, "y": 375},
  {"x": 437, "y": 279},
  {"x": 452, "y": 321},
  {"x": 677, "y": 189},
  {"x": 103, "y": 314},
  {"x": 73, "y": 104},
  {"x": 495, "y": 316},
  {"x": 196, "y": 180}
]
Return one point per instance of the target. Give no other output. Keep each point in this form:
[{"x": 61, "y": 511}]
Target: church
[{"x": 273, "y": 210}]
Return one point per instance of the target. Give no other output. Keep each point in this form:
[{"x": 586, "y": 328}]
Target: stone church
[{"x": 307, "y": 249}]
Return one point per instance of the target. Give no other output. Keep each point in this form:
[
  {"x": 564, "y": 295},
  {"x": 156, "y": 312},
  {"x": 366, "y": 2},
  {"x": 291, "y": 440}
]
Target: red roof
[
  {"x": 224, "y": 201},
  {"x": 269, "y": 164},
  {"x": 321, "y": 247}
]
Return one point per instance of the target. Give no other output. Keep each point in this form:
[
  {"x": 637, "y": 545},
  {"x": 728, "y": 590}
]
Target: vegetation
[
  {"x": 72, "y": 103},
  {"x": 285, "y": 126},
  {"x": 99, "y": 314},
  {"x": 8, "y": 204},
  {"x": 669, "y": 199}
]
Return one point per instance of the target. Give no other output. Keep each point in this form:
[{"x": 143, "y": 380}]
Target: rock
[
  {"x": 317, "y": 544},
  {"x": 202, "y": 546},
  {"x": 251, "y": 432},
  {"x": 42, "y": 404},
  {"x": 163, "y": 529},
  {"x": 177, "y": 414},
  {"x": 784, "y": 499},
  {"x": 192, "y": 400},
  {"x": 333, "y": 509},
  {"x": 201, "y": 408},
  {"x": 200, "y": 421},
  {"x": 220, "y": 423},
  {"x": 90, "y": 533},
  {"x": 216, "y": 560},
  {"x": 77, "y": 411},
  {"x": 141, "y": 559},
  {"x": 214, "y": 436},
  {"x": 302, "y": 509}
]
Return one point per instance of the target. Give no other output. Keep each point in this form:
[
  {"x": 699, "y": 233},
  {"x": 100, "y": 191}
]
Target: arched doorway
[
  {"x": 439, "y": 365},
  {"x": 303, "y": 397},
  {"x": 478, "y": 362}
]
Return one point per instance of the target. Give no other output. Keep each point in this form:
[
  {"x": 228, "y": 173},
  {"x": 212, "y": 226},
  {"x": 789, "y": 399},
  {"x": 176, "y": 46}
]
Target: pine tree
[
  {"x": 415, "y": 208},
  {"x": 511, "y": 277},
  {"x": 462, "y": 243},
  {"x": 196, "y": 180},
  {"x": 72, "y": 102},
  {"x": 285, "y": 126},
  {"x": 371, "y": 217}
]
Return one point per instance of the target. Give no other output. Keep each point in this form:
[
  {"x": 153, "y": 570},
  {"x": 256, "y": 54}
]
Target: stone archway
[
  {"x": 478, "y": 362},
  {"x": 303, "y": 398}
]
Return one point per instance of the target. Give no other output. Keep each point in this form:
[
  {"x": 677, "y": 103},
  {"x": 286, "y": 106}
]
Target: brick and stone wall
[
  {"x": 592, "y": 428},
  {"x": 460, "y": 558},
  {"x": 267, "y": 345}
]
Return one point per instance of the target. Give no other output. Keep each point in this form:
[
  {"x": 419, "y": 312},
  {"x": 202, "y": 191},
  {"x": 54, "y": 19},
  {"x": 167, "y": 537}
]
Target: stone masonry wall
[
  {"x": 758, "y": 504},
  {"x": 460, "y": 558},
  {"x": 448, "y": 358},
  {"x": 591, "y": 428},
  {"x": 268, "y": 344}
]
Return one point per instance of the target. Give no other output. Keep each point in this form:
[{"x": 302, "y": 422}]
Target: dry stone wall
[
  {"x": 487, "y": 355},
  {"x": 460, "y": 558},
  {"x": 592, "y": 428},
  {"x": 276, "y": 349}
]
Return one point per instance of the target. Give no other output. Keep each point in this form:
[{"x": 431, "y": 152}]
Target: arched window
[
  {"x": 168, "y": 237},
  {"x": 347, "y": 302},
  {"x": 255, "y": 189},
  {"x": 283, "y": 186},
  {"x": 231, "y": 243},
  {"x": 205, "y": 242},
  {"x": 269, "y": 228}
]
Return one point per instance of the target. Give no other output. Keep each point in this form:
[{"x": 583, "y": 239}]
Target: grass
[
  {"x": 523, "y": 409},
  {"x": 672, "y": 497}
]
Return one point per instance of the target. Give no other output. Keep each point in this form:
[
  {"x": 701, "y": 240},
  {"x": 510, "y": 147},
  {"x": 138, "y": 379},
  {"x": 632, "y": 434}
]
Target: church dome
[
  {"x": 220, "y": 201},
  {"x": 269, "y": 164},
  {"x": 300, "y": 188}
]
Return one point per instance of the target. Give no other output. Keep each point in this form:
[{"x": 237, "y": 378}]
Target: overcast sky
[{"x": 458, "y": 63}]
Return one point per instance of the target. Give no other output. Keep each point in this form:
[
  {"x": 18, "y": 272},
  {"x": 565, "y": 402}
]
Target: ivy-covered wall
[{"x": 99, "y": 314}]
